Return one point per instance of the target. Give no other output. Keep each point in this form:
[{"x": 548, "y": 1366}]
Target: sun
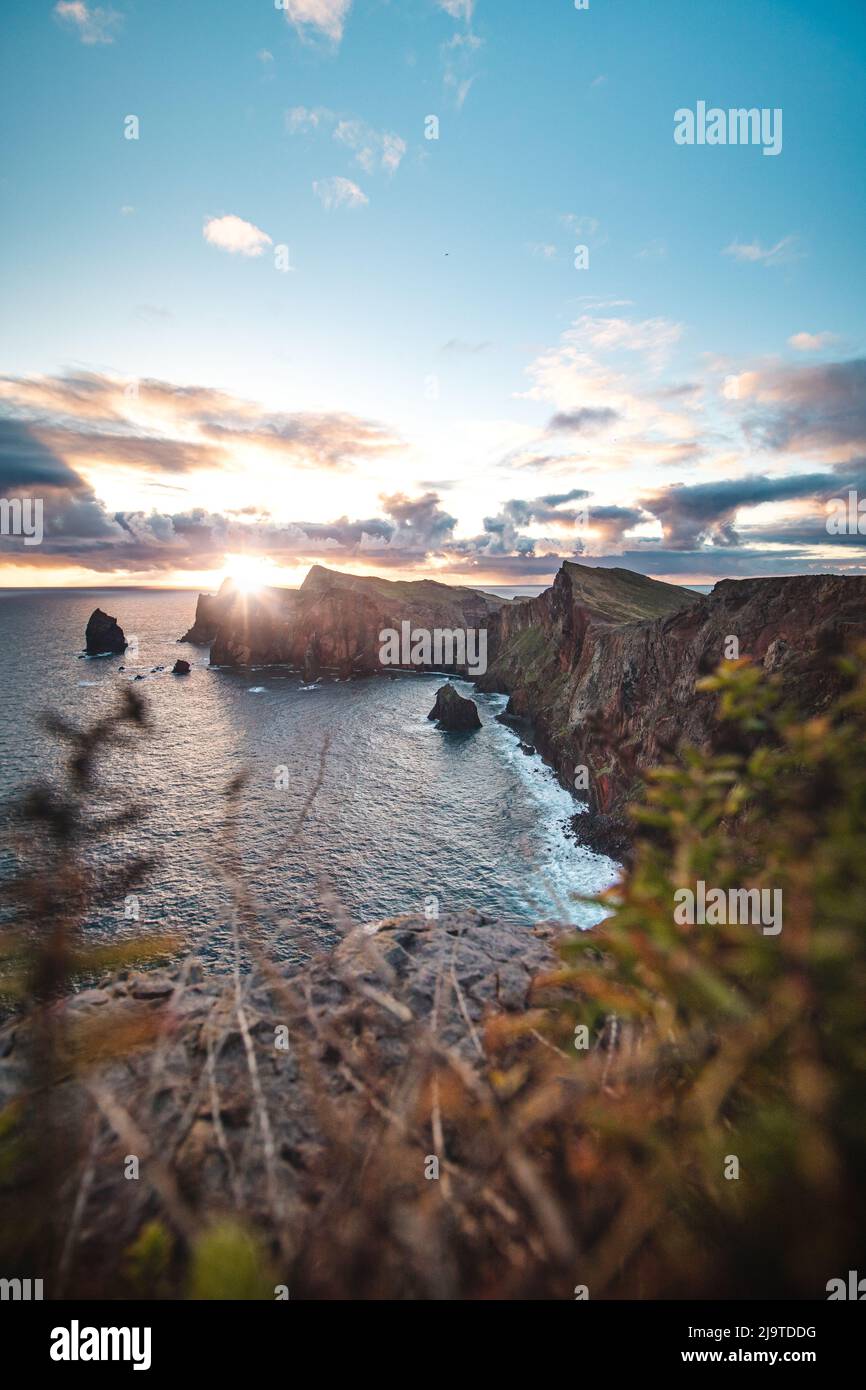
[{"x": 249, "y": 573}]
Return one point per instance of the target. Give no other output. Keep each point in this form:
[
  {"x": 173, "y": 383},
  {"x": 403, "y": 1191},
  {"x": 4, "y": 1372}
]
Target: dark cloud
[
  {"x": 699, "y": 512},
  {"x": 73, "y": 519},
  {"x": 580, "y": 421},
  {"x": 677, "y": 393},
  {"x": 709, "y": 565},
  {"x": 556, "y": 499},
  {"x": 421, "y": 524},
  {"x": 541, "y": 510},
  {"x": 852, "y": 475},
  {"x": 27, "y": 463},
  {"x": 810, "y": 530},
  {"x": 507, "y": 569},
  {"x": 721, "y": 562},
  {"x": 609, "y": 524},
  {"x": 502, "y": 533},
  {"x": 78, "y": 530},
  {"x": 62, "y": 421},
  {"x": 814, "y": 407}
]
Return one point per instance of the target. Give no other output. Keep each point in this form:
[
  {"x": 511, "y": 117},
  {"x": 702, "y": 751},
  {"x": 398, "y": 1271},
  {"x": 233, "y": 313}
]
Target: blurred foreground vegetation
[{"x": 708, "y": 1140}]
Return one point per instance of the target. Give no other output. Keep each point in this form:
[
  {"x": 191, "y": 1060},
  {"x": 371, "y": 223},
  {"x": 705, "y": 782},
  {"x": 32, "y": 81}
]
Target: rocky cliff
[
  {"x": 332, "y": 623},
  {"x": 210, "y": 611},
  {"x": 615, "y": 693},
  {"x": 603, "y": 664}
]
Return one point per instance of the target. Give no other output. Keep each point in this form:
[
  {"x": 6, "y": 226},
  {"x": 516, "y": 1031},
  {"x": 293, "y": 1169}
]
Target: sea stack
[
  {"x": 180, "y": 668},
  {"x": 103, "y": 636},
  {"x": 454, "y": 712}
]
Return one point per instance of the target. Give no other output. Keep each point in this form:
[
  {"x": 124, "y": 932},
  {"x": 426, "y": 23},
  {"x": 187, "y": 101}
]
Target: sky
[{"x": 430, "y": 288}]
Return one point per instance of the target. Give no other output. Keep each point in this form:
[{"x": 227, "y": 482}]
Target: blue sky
[{"x": 432, "y": 387}]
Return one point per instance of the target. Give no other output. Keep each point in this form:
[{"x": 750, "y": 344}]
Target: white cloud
[
  {"x": 811, "y": 342},
  {"x": 372, "y": 149},
  {"x": 459, "y": 52},
  {"x": 596, "y": 380},
  {"x": 461, "y": 89},
  {"x": 393, "y": 150},
  {"x": 339, "y": 192},
  {"x": 235, "y": 235},
  {"x": 458, "y": 9},
  {"x": 327, "y": 16},
  {"x": 301, "y": 119},
  {"x": 265, "y": 56},
  {"x": 94, "y": 26},
  {"x": 782, "y": 253},
  {"x": 468, "y": 41},
  {"x": 652, "y": 337}
]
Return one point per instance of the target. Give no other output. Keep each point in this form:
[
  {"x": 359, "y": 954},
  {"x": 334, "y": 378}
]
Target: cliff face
[
  {"x": 616, "y": 697},
  {"x": 210, "y": 610},
  {"x": 332, "y": 623},
  {"x": 604, "y": 662},
  {"x": 536, "y": 641}
]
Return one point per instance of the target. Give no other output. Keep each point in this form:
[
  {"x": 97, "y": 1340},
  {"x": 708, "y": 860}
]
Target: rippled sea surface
[{"x": 403, "y": 812}]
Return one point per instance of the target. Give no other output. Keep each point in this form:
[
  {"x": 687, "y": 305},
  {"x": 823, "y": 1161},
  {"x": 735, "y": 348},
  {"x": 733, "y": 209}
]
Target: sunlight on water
[{"x": 404, "y": 811}]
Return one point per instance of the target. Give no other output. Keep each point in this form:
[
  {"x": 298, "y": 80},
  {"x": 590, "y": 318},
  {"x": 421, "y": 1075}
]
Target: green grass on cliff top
[{"x": 621, "y": 596}]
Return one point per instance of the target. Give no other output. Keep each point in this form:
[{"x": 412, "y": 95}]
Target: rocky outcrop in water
[
  {"x": 210, "y": 610},
  {"x": 602, "y": 666},
  {"x": 180, "y": 668},
  {"x": 453, "y": 712},
  {"x": 103, "y": 635},
  {"x": 333, "y": 623}
]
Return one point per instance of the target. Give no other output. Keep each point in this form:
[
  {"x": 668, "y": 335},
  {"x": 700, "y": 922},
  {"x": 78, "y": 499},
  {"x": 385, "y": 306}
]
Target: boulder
[
  {"x": 180, "y": 668},
  {"x": 103, "y": 636},
  {"x": 454, "y": 712}
]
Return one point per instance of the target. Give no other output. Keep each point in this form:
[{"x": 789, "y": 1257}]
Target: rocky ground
[{"x": 231, "y": 1092}]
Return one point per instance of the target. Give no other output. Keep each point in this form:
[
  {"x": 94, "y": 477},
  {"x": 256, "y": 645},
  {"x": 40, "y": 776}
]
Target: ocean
[{"x": 405, "y": 815}]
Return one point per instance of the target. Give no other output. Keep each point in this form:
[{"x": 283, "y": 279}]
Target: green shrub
[{"x": 722, "y": 1041}]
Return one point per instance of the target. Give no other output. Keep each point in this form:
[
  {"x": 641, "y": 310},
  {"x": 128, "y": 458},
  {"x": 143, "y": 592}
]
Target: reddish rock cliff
[
  {"x": 616, "y": 697},
  {"x": 332, "y": 623},
  {"x": 603, "y": 663}
]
